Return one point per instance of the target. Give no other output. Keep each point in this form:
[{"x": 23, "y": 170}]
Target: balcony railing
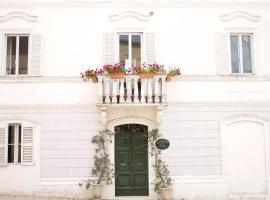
[{"x": 132, "y": 90}]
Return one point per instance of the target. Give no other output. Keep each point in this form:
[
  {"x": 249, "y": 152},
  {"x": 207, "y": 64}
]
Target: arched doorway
[{"x": 131, "y": 160}]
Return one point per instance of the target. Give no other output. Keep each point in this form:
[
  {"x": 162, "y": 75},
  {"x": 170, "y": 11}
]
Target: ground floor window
[{"x": 14, "y": 143}]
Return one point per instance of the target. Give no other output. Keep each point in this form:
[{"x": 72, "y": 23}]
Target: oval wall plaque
[{"x": 162, "y": 144}]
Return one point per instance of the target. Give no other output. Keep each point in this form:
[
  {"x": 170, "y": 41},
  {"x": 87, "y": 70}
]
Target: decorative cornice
[
  {"x": 133, "y": 3},
  {"x": 18, "y": 14},
  {"x": 240, "y": 14},
  {"x": 130, "y": 14}
]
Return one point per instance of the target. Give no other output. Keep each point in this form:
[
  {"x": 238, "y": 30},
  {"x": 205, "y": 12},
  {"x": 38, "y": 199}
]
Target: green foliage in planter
[
  {"x": 162, "y": 174},
  {"x": 102, "y": 171}
]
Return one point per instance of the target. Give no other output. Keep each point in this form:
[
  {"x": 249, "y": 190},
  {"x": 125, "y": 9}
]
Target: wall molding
[
  {"x": 20, "y": 15},
  {"x": 130, "y": 14},
  {"x": 77, "y": 79},
  {"x": 244, "y": 117},
  {"x": 240, "y": 14}
]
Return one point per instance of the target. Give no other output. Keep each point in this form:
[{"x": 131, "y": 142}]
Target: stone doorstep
[{"x": 28, "y": 197}]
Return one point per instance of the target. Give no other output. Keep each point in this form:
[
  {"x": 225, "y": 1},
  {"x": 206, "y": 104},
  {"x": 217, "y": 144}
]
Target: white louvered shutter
[
  {"x": 2, "y": 54},
  {"x": 223, "y": 52},
  {"x": 3, "y": 144},
  {"x": 27, "y": 144},
  {"x": 109, "y": 49},
  {"x": 34, "y": 68},
  {"x": 149, "y": 47}
]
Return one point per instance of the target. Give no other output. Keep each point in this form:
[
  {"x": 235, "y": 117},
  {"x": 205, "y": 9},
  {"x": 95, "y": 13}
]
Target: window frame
[
  {"x": 240, "y": 51},
  {"x": 129, "y": 33},
  {"x": 16, "y": 144},
  {"x": 17, "y": 35}
]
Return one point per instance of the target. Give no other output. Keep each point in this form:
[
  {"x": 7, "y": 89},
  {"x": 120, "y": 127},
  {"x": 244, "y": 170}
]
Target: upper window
[
  {"x": 14, "y": 143},
  {"x": 241, "y": 53},
  {"x": 17, "y": 54},
  {"x": 130, "y": 49}
]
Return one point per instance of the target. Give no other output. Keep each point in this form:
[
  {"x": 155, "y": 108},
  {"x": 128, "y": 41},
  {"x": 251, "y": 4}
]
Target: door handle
[
  {"x": 139, "y": 164},
  {"x": 123, "y": 164}
]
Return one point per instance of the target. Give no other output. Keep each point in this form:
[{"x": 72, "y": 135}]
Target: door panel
[
  {"x": 123, "y": 161},
  {"x": 123, "y": 180},
  {"x": 139, "y": 161},
  {"x": 140, "y": 180},
  {"x": 123, "y": 142},
  {"x": 131, "y": 161}
]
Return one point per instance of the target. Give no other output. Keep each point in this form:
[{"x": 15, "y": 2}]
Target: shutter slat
[
  {"x": 27, "y": 145},
  {"x": 223, "y": 58},
  {"x": 108, "y": 48},
  {"x": 35, "y": 54},
  {"x": 3, "y": 146},
  {"x": 149, "y": 47}
]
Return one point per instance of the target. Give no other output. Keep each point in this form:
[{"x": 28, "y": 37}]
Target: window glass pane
[
  {"x": 23, "y": 54},
  {"x": 11, "y": 134},
  {"x": 123, "y": 48},
  {"x": 246, "y": 51},
  {"x": 136, "y": 50},
  {"x": 20, "y": 134},
  {"x": 19, "y": 153},
  {"x": 11, "y": 141},
  {"x": 11, "y": 55},
  {"x": 20, "y": 146},
  {"x": 235, "y": 54},
  {"x": 10, "y": 153}
]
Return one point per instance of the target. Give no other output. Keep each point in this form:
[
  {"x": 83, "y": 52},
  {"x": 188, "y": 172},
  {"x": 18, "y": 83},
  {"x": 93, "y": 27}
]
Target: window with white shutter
[
  {"x": 3, "y": 144},
  {"x": 34, "y": 69},
  {"x": 22, "y": 54},
  {"x": 109, "y": 48},
  {"x": 149, "y": 47},
  {"x": 16, "y": 143},
  {"x": 27, "y": 144},
  {"x": 2, "y": 53},
  {"x": 223, "y": 59},
  {"x": 133, "y": 48}
]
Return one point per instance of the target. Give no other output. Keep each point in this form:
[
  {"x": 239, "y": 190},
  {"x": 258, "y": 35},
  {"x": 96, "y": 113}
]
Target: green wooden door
[{"x": 131, "y": 161}]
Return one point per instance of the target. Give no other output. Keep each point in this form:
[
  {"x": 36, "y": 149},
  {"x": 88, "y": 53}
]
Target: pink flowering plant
[
  {"x": 155, "y": 68},
  {"x": 118, "y": 67},
  {"x": 90, "y": 73}
]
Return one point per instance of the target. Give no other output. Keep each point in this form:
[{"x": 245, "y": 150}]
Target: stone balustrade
[{"x": 132, "y": 90}]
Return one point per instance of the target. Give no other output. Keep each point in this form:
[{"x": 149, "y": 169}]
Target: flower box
[
  {"x": 147, "y": 74},
  {"x": 169, "y": 78},
  {"x": 94, "y": 78},
  {"x": 116, "y": 75}
]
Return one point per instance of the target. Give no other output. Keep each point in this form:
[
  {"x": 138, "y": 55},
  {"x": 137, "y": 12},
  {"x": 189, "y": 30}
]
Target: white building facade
[{"x": 215, "y": 115}]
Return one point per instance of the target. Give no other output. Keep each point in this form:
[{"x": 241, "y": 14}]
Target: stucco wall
[
  {"x": 72, "y": 37},
  {"x": 64, "y": 156}
]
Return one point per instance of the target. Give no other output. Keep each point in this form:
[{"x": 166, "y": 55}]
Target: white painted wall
[
  {"x": 65, "y": 107},
  {"x": 194, "y": 157},
  {"x": 73, "y": 36}
]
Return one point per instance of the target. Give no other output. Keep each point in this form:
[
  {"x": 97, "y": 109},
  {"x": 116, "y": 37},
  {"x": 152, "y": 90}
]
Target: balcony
[{"x": 132, "y": 90}]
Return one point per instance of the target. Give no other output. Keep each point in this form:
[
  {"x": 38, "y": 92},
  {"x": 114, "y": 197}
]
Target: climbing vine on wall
[
  {"x": 162, "y": 174},
  {"x": 102, "y": 171}
]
